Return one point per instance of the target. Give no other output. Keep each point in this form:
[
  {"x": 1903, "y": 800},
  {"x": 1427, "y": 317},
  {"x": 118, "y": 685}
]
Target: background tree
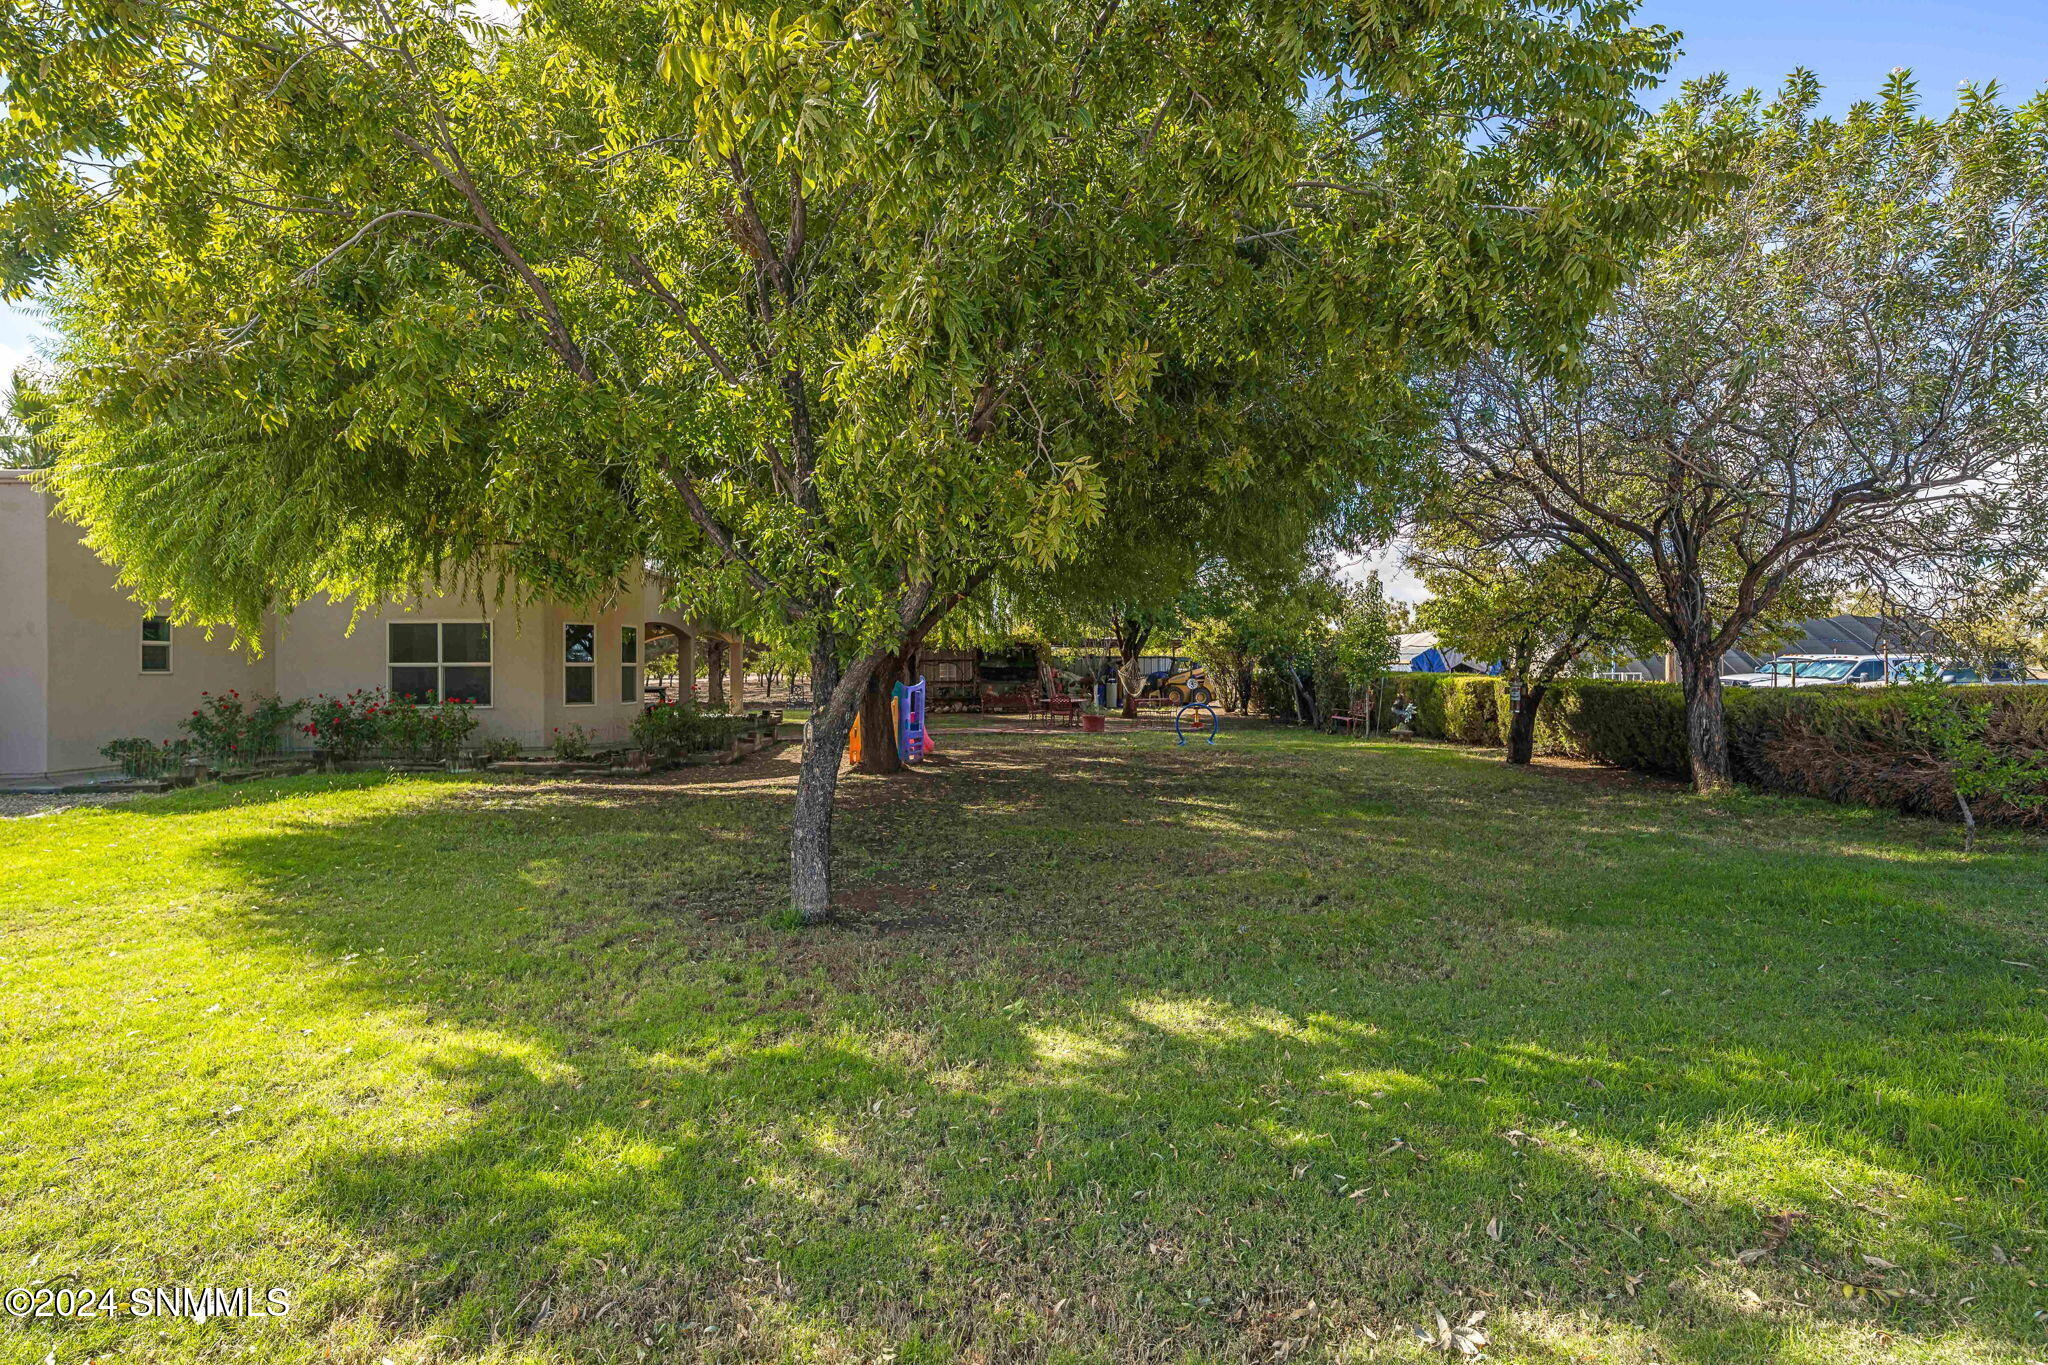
[
  {"x": 1995, "y": 622},
  {"x": 808, "y": 307},
  {"x": 1362, "y": 647},
  {"x": 1224, "y": 645},
  {"x": 26, "y": 440},
  {"x": 1241, "y": 625},
  {"x": 1839, "y": 374},
  {"x": 1536, "y": 611}
]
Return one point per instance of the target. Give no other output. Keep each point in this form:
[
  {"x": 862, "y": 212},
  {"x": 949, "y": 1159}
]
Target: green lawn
[{"x": 1272, "y": 1051}]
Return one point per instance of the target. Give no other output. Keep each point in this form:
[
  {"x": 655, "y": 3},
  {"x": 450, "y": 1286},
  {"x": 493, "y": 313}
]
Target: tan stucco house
[{"x": 81, "y": 663}]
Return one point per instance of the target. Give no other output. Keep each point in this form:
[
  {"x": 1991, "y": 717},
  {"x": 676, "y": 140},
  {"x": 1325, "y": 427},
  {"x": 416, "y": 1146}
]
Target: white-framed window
[
  {"x": 156, "y": 644},
  {"x": 629, "y": 663},
  {"x": 439, "y": 660},
  {"x": 579, "y": 665}
]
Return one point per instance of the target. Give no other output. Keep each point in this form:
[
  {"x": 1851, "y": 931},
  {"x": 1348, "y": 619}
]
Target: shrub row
[
  {"x": 1850, "y": 745},
  {"x": 231, "y": 731},
  {"x": 672, "y": 730},
  {"x": 373, "y": 721}
]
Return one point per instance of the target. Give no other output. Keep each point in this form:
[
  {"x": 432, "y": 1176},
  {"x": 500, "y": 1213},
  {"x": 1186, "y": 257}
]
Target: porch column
[{"x": 737, "y": 654}]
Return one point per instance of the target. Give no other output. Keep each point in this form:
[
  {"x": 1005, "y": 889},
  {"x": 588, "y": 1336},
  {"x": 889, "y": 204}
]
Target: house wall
[
  {"x": 317, "y": 652},
  {"x": 24, "y": 640},
  {"x": 71, "y": 653},
  {"x": 608, "y": 718},
  {"x": 91, "y": 681}
]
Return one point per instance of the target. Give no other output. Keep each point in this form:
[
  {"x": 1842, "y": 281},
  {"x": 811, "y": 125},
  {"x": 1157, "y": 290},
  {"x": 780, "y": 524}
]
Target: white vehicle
[
  {"x": 1812, "y": 670},
  {"x": 1913, "y": 670}
]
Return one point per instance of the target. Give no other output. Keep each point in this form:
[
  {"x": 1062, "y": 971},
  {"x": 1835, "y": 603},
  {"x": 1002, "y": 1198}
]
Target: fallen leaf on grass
[
  {"x": 1468, "y": 1338},
  {"x": 1775, "y": 1233}
]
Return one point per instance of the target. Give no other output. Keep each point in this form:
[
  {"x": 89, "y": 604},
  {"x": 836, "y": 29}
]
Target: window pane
[
  {"x": 579, "y": 644},
  {"x": 472, "y": 685},
  {"x": 465, "y": 642},
  {"x": 417, "y": 683},
  {"x": 156, "y": 658},
  {"x": 579, "y": 685},
  {"x": 629, "y": 645},
  {"x": 629, "y": 683},
  {"x": 157, "y": 629},
  {"x": 413, "y": 642}
]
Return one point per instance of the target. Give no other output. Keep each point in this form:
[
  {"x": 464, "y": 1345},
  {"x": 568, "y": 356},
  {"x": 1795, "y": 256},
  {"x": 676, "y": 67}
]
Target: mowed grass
[{"x": 1271, "y": 1051}]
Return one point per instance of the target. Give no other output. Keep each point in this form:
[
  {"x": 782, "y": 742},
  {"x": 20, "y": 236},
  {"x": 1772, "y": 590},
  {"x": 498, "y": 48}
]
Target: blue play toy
[
  {"x": 1215, "y": 722},
  {"x": 912, "y": 743}
]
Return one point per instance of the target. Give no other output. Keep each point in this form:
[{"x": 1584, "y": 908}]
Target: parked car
[
  {"x": 1852, "y": 670},
  {"x": 1811, "y": 670},
  {"x": 1912, "y": 670}
]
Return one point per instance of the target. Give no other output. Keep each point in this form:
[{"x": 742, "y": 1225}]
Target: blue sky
[{"x": 1850, "y": 43}]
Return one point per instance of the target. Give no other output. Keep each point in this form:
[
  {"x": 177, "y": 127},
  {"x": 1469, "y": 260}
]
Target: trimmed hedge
[
  {"x": 1631, "y": 725},
  {"x": 1463, "y": 708},
  {"x": 1848, "y": 745}
]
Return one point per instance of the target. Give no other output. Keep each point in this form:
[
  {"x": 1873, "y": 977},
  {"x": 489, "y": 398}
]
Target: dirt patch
[
  {"x": 889, "y": 908},
  {"x": 1586, "y": 771}
]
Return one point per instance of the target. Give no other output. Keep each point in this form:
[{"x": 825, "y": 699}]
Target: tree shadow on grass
[{"x": 1214, "y": 1061}]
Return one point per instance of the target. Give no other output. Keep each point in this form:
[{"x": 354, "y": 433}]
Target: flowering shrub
[
  {"x": 427, "y": 729},
  {"x": 147, "y": 758},
  {"x": 371, "y": 720},
  {"x": 346, "y": 727},
  {"x": 231, "y": 732},
  {"x": 570, "y": 745}
]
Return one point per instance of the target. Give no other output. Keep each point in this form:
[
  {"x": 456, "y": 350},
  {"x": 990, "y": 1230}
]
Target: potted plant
[{"x": 1093, "y": 718}]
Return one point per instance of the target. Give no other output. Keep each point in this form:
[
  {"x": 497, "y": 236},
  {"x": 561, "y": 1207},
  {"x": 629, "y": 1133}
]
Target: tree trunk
[
  {"x": 1304, "y": 698},
  {"x": 1706, "y": 725},
  {"x": 714, "y": 668},
  {"x": 1522, "y": 725},
  {"x": 834, "y": 697},
  {"x": 810, "y": 832},
  {"x": 877, "y": 726},
  {"x": 1969, "y": 824}
]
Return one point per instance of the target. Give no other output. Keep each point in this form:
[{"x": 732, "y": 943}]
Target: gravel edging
[{"x": 16, "y": 805}]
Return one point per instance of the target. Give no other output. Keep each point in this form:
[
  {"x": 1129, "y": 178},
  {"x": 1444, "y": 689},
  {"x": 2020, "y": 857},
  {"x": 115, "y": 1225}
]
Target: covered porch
[{"x": 722, "y": 652}]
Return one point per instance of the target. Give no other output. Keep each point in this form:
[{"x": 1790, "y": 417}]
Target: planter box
[{"x": 1092, "y": 725}]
